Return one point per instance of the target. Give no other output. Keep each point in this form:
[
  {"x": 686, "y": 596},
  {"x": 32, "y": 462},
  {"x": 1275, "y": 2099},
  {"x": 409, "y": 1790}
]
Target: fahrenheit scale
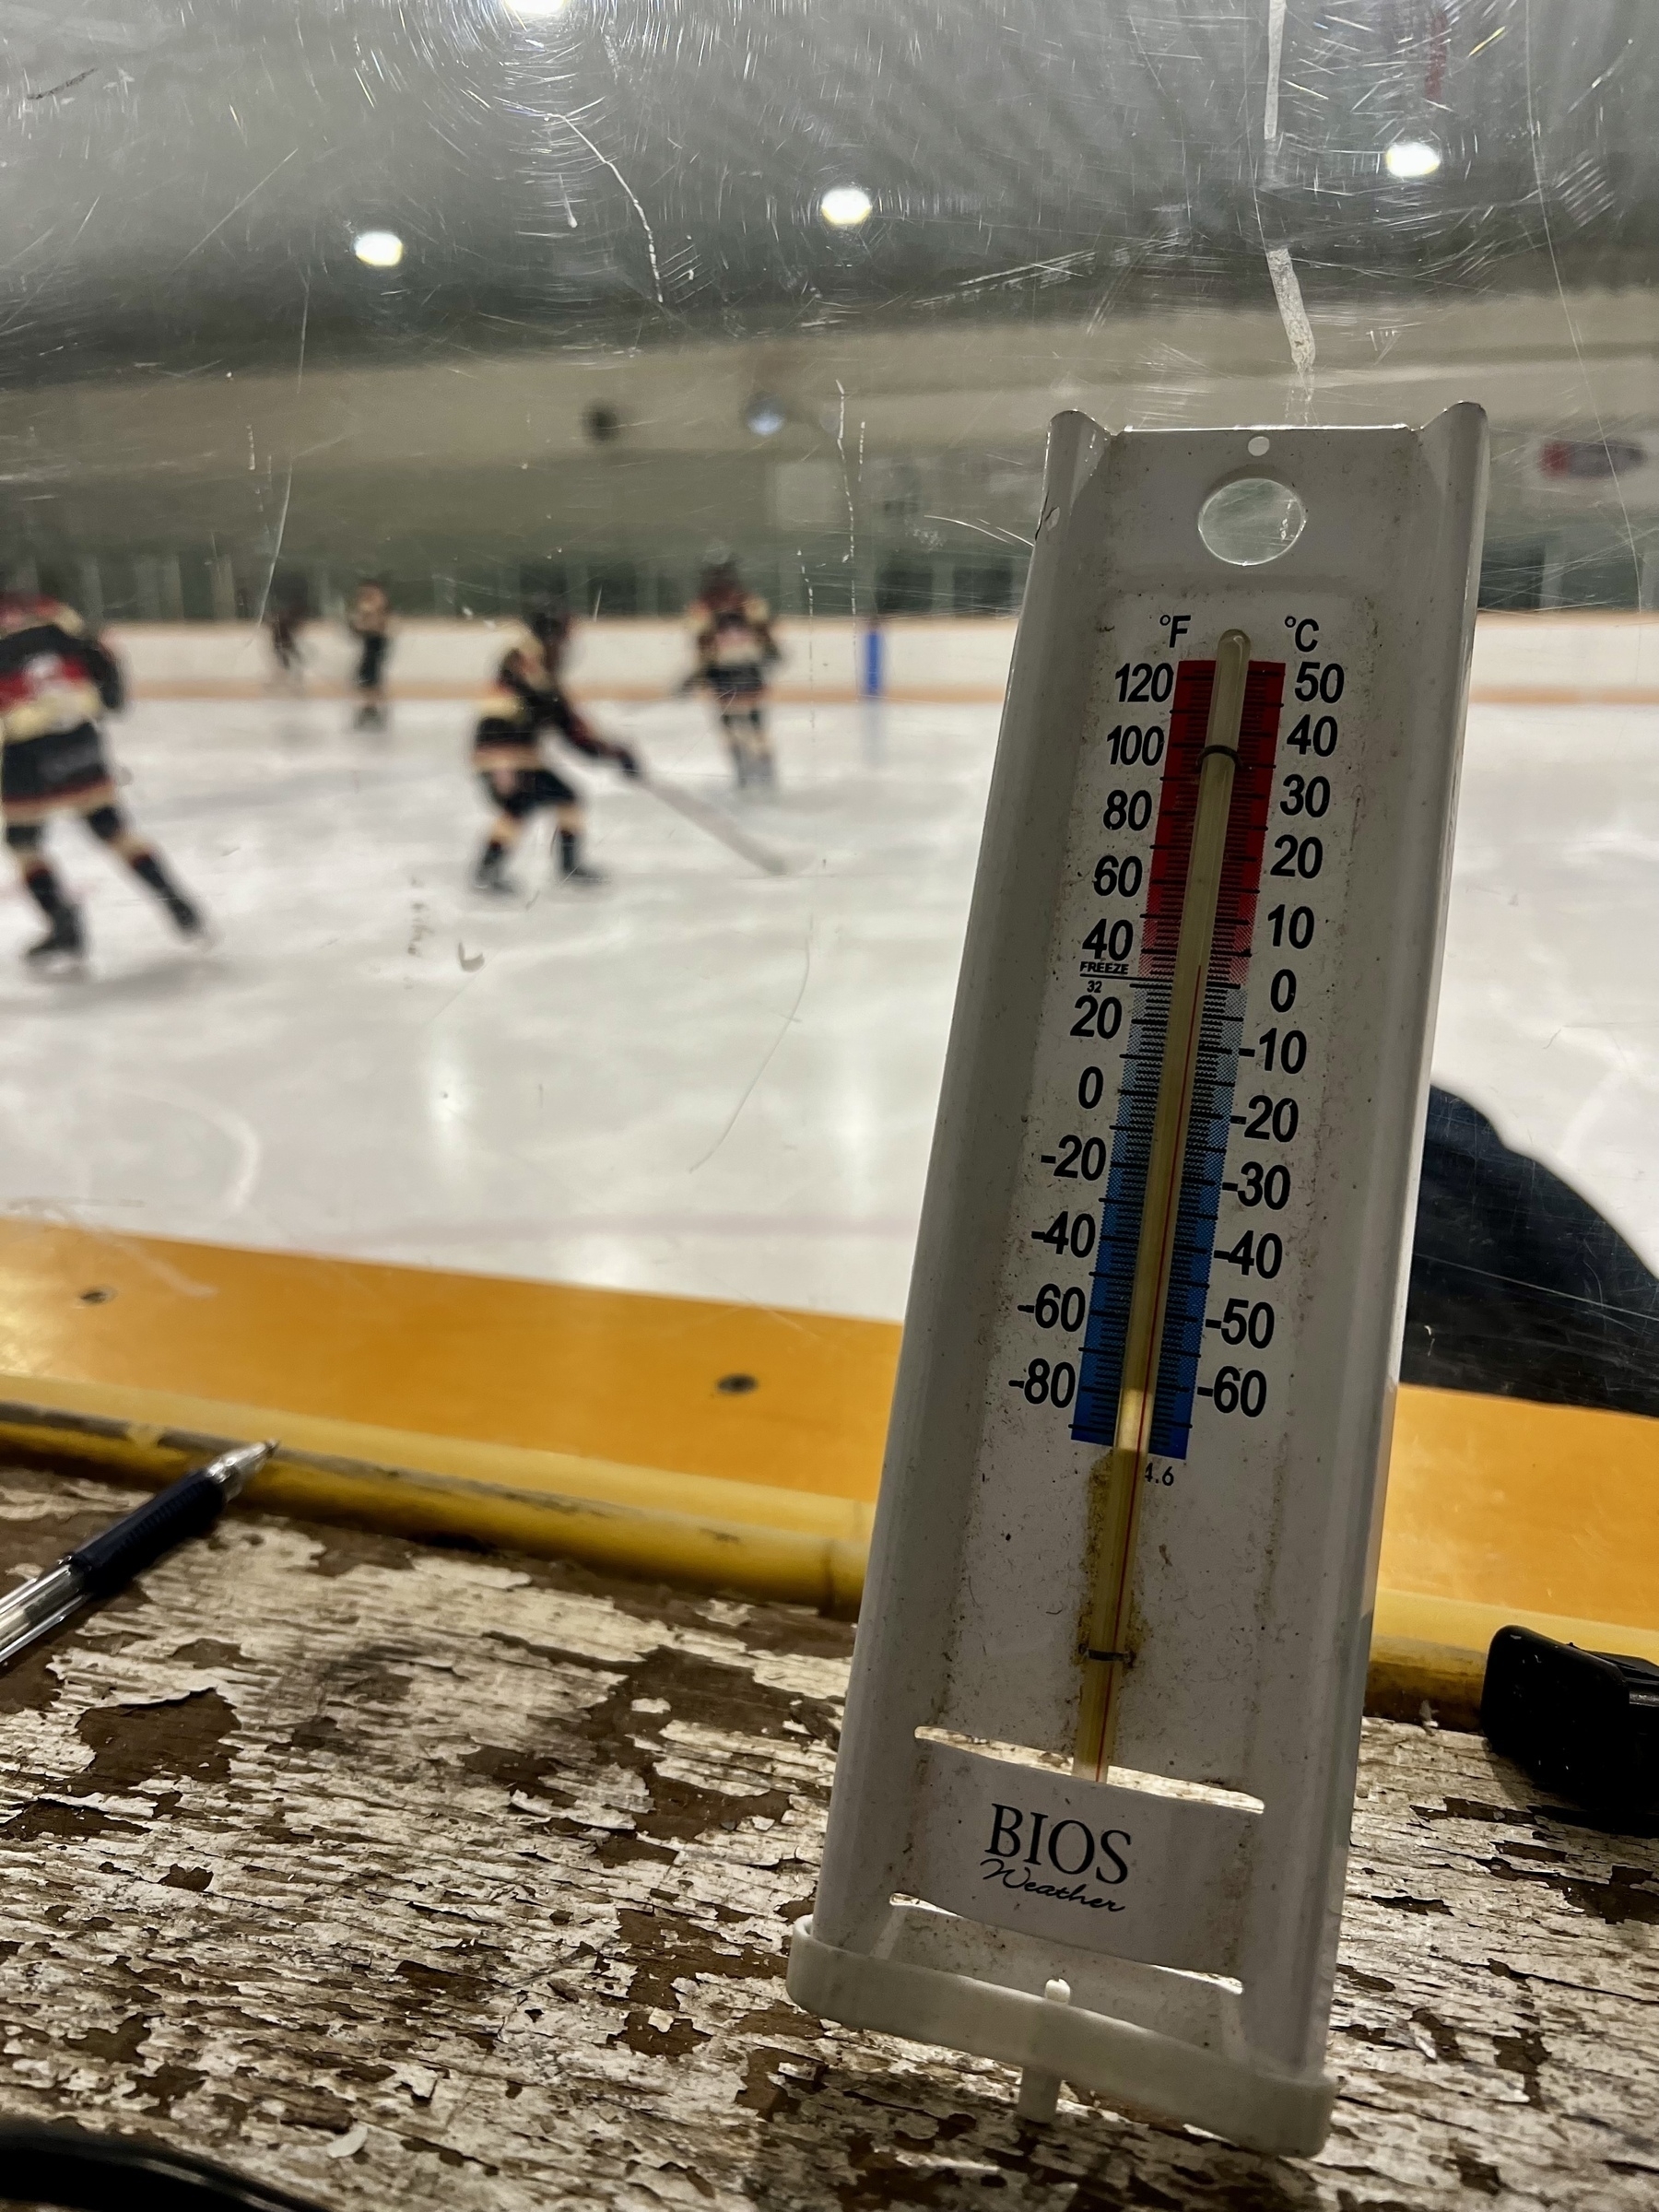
[{"x": 1092, "y": 1800}]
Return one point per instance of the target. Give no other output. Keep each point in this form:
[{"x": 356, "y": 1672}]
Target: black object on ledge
[
  {"x": 1584, "y": 1723},
  {"x": 1520, "y": 1289},
  {"x": 43, "y": 2164}
]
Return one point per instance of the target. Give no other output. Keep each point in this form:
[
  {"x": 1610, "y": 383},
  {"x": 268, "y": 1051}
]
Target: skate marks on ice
[
  {"x": 108, "y": 1160},
  {"x": 543, "y": 1114},
  {"x": 540, "y": 1109}
]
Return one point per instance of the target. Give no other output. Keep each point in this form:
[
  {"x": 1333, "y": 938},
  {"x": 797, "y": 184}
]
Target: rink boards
[
  {"x": 1562, "y": 659},
  {"x": 674, "y": 1091},
  {"x": 465, "y": 1407}
]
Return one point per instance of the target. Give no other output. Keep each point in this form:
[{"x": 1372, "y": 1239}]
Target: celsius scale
[{"x": 1091, "y": 1806}]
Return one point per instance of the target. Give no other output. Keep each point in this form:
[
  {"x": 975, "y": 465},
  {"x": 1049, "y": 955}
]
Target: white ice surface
[
  {"x": 1549, "y": 1006},
  {"x": 699, "y": 1079}
]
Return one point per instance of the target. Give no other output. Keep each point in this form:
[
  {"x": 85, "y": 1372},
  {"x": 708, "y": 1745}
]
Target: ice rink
[{"x": 699, "y": 1078}]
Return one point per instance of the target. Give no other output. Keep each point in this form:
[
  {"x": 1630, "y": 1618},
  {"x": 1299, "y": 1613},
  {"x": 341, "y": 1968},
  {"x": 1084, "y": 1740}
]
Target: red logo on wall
[{"x": 1589, "y": 460}]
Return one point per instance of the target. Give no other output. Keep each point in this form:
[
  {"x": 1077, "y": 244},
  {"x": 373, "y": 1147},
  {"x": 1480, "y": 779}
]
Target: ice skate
[
  {"x": 490, "y": 876},
  {"x": 186, "y": 919},
  {"x": 63, "y": 950},
  {"x": 191, "y": 925},
  {"x": 579, "y": 873}
]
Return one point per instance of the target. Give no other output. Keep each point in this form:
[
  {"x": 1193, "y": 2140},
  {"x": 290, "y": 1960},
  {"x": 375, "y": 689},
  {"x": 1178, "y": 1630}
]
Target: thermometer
[{"x": 1091, "y": 1804}]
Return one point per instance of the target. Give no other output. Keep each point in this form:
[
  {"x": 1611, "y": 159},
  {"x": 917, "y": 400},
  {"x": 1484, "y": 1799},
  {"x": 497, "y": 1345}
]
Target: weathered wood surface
[{"x": 409, "y": 1877}]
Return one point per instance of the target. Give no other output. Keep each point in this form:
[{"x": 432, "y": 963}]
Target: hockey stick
[{"x": 716, "y": 824}]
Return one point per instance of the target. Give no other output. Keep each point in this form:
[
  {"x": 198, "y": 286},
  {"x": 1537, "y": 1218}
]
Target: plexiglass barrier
[{"x": 512, "y": 520}]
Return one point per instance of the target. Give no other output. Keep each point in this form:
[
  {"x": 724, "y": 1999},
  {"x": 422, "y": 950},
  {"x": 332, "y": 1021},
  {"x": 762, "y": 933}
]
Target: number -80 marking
[{"x": 1045, "y": 1386}]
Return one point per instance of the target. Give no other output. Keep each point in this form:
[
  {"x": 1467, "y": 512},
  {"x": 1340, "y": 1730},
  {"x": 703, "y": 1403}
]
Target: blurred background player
[
  {"x": 731, "y": 637},
  {"x": 285, "y": 618},
  {"x": 527, "y": 699},
  {"x": 56, "y": 680},
  {"x": 369, "y": 618}
]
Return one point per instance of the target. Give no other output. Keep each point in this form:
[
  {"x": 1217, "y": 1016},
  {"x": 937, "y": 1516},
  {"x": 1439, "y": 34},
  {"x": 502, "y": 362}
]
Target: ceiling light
[
  {"x": 1412, "y": 158},
  {"x": 764, "y": 417},
  {"x": 844, "y": 207},
  {"x": 379, "y": 249},
  {"x": 537, "y": 11}
]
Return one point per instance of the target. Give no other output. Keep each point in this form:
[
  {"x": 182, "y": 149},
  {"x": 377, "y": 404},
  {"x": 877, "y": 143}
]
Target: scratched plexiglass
[{"x": 565, "y": 308}]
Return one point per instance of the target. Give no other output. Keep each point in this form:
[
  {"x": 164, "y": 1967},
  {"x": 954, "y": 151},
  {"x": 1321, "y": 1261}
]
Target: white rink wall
[
  {"x": 611, "y": 659},
  {"x": 1552, "y": 659}
]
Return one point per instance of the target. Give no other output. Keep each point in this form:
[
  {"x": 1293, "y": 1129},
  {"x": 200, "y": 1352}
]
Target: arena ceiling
[{"x": 187, "y": 177}]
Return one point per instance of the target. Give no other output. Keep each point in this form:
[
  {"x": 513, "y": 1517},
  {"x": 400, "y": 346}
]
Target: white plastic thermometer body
[{"x": 1111, "y": 1657}]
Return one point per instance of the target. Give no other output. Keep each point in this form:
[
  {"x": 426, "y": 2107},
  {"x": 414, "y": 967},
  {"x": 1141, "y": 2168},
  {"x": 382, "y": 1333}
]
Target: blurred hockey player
[
  {"x": 731, "y": 637},
  {"x": 285, "y": 618},
  {"x": 369, "y": 618},
  {"x": 55, "y": 682},
  {"x": 525, "y": 701}
]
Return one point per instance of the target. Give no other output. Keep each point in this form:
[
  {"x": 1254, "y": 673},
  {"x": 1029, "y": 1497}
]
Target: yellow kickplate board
[
  {"x": 591, "y": 1423},
  {"x": 594, "y": 1424}
]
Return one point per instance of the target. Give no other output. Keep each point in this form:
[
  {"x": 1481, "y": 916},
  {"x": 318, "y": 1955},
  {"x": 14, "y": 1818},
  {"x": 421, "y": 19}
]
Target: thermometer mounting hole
[{"x": 1252, "y": 520}]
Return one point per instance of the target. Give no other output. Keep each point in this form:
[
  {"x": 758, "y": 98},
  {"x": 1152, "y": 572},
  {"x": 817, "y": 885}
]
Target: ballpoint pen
[{"x": 106, "y": 1564}]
